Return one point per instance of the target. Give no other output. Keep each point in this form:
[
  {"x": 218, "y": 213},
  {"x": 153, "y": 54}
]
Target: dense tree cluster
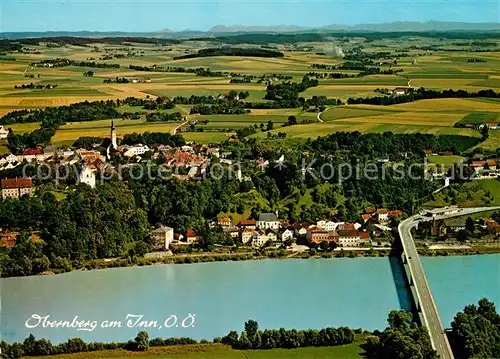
[
  {"x": 154, "y": 138},
  {"x": 286, "y": 94},
  {"x": 476, "y": 331},
  {"x": 378, "y": 145},
  {"x": 421, "y": 94},
  {"x": 116, "y": 80},
  {"x": 62, "y": 62},
  {"x": 403, "y": 339},
  {"x": 476, "y": 60},
  {"x": 55, "y": 116},
  {"x": 163, "y": 117},
  {"x": 232, "y": 51},
  {"x": 87, "y": 224},
  {"x": 32, "y": 86},
  {"x": 253, "y": 338}
]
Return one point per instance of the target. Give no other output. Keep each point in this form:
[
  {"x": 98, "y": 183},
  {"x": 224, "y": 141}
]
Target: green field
[
  {"x": 68, "y": 133},
  {"x": 477, "y": 118},
  {"x": 437, "y": 69},
  {"x": 219, "y": 351}
]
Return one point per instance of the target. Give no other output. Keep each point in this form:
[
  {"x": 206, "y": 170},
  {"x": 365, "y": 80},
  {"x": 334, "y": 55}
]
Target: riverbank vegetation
[{"x": 475, "y": 333}]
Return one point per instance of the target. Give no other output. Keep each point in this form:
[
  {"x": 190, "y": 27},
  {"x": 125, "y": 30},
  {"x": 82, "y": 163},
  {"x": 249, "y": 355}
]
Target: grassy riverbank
[
  {"x": 206, "y": 257},
  {"x": 220, "y": 351}
]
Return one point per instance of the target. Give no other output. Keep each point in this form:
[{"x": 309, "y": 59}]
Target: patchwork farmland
[{"x": 416, "y": 65}]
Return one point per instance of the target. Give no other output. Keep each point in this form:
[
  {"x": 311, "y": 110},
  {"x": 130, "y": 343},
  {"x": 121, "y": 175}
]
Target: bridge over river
[{"x": 422, "y": 296}]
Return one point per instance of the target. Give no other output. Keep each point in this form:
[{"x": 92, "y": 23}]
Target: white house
[
  {"x": 268, "y": 221},
  {"x": 162, "y": 237},
  {"x": 11, "y": 158},
  {"x": 136, "y": 150},
  {"x": 286, "y": 235},
  {"x": 87, "y": 176},
  {"x": 327, "y": 225},
  {"x": 247, "y": 235},
  {"x": 260, "y": 238},
  {"x": 349, "y": 238},
  {"x": 3, "y": 133},
  {"x": 272, "y": 236}
]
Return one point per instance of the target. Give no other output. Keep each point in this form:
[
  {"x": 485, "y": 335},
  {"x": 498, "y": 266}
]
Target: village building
[
  {"x": 247, "y": 235},
  {"x": 162, "y": 236},
  {"x": 3, "y": 133},
  {"x": 287, "y": 234},
  {"x": 260, "y": 238},
  {"x": 234, "y": 232},
  {"x": 224, "y": 222},
  {"x": 136, "y": 150},
  {"x": 268, "y": 221},
  {"x": 192, "y": 237},
  {"x": 87, "y": 175},
  {"x": 349, "y": 238},
  {"x": 248, "y": 223},
  {"x": 16, "y": 187},
  {"x": 478, "y": 165},
  {"x": 382, "y": 215}
]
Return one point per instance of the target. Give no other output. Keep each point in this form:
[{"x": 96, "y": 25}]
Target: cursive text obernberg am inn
[{"x": 130, "y": 321}]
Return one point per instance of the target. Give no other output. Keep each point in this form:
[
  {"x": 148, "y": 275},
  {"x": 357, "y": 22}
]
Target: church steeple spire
[{"x": 113, "y": 134}]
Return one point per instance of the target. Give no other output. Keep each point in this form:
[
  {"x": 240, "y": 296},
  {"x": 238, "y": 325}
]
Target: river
[{"x": 293, "y": 293}]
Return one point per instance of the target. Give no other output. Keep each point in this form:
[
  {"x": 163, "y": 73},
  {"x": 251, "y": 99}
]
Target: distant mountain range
[
  {"x": 393, "y": 26},
  {"x": 220, "y": 30}
]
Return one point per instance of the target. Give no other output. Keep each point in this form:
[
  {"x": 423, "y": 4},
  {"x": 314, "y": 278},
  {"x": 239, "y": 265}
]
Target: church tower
[{"x": 113, "y": 134}]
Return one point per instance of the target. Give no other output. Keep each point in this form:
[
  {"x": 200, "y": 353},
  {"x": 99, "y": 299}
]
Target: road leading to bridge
[{"x": 425, "y": 301}]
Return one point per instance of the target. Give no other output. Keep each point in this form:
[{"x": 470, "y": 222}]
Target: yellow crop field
[
  {"x": 409, "y": 118},
  {"x": 448, "y": 104},
  {"x": 71, "y": 131}
]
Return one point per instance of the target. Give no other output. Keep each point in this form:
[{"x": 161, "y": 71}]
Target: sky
[{"x": 156, "y": 15}]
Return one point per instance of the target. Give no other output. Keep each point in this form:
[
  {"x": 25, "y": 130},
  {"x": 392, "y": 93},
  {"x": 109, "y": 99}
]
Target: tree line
[
  {"x": 421, "y": 94},
  {"x": 232, "y": 51}
]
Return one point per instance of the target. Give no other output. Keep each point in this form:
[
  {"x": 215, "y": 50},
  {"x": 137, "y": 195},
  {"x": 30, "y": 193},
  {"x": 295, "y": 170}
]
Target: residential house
[
  {"x": 382, "y": 215},
  {"x": 370, "y": 210},
  {"x": 287, "y": 234},
  {"x": 247, "y": 235},
  {"x": 398, "y": 91},
  {"x": 492, "y": 164},
  {"x": 16, "y": 187},
  {"x": 162, "y": 237},
  {"x": 395, "y": 213},
  {"x": 427, "y": 153},
  {"x": 349, "y": 238},
  {"x": 478, "y": 165},
  {"x": 3, "y": 133},
  {"x": 454, "y": 224},
  {"x": 224, "y": 222},
  {"x": 87, "y": 175},
  {"x": 260, "y": 238},
  {"x": 327, "y": 225},
  {"x": 317, "y": 234},
  {"x": 192, "y": 237},
  {"x": 301, "y": 229},
  {"x": 492, "y": 125},
  {"x": 234, "y": 232},
  {"x": 272, "y": 236},
  {"x": 248, "y": 224},
  {"x": 136, "y": 150},
  {"x": 366, "y": 217},
  {"x": 268, "y": 221}
]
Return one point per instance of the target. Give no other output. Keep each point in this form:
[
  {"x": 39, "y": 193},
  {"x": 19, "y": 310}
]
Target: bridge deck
[{"x": 424, "y": 298}]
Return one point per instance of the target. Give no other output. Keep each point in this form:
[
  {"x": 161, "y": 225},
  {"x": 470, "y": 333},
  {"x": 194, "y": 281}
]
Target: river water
[{"x": 221, "y": 296}]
